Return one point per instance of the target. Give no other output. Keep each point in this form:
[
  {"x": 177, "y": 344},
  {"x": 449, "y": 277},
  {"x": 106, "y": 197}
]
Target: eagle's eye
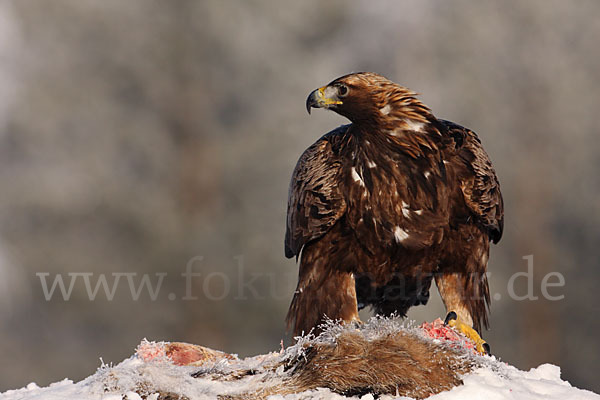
[{"x": 342, "y": 90}]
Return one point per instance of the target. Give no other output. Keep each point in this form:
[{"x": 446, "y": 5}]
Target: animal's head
[{"x": 368, "y": 97}]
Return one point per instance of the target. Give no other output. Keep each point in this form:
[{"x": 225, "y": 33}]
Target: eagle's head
[{"x": 367, "y": 97}]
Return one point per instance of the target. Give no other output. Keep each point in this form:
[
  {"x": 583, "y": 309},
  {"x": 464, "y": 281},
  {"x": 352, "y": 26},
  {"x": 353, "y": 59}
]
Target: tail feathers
[{"x": 477, "y": 297}]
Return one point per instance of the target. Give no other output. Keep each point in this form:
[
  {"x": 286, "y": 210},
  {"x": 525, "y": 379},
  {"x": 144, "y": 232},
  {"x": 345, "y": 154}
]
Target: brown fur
[
  {"x": 399, "y": 363},
  {"x": 393, "y": 364}
]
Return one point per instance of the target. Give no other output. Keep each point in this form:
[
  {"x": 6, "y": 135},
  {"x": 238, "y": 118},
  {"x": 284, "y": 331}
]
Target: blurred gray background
[{"x": 137, "y": 135}]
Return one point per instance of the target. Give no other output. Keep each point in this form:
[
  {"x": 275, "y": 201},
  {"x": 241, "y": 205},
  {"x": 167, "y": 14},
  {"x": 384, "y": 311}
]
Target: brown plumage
[{"x": 379, "y": 208}]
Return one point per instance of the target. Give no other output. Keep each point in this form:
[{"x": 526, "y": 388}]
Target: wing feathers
[
  {"x": 315, "y": 200},
  {"x": 478, "y": 181}
]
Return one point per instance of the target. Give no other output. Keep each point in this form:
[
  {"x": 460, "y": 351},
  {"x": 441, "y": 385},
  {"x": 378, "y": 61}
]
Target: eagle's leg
[
  {"x": 322, "y": 293},
  {"x": 452, "y": 290}
]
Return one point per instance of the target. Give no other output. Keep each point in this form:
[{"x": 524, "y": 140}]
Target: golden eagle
[{"x": 379, "y": 208}]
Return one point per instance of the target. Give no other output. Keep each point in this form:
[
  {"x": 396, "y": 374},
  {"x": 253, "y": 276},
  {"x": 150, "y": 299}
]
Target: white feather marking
[
  {"x": 371, "y": 164},
  {"x": 400, "y": 234},
  {"x": 405, "y": 209},
  {"x": 385, "y": 110},
  {"x": 414, "y": 125},
  {"x": 357, "y": 177},
  {"x": 426, "y": 174},
  {"x": 395, "y": 132},
  {"x": 419, "y": 212}
]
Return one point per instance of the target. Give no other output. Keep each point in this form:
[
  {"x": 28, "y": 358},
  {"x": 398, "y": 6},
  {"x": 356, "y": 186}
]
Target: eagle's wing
[
  {"x": 315, "y": 200},
  {"x": 478, "y": 180}
]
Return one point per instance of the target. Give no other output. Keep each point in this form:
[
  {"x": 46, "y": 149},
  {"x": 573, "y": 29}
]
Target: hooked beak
[{"x": 319, "y": 98}]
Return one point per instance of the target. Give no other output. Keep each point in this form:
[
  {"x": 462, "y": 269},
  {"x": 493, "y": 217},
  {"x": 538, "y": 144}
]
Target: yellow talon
[{"x": 480, "y": 344}]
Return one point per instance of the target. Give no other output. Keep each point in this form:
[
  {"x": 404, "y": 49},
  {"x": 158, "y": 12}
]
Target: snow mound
[
  {"x": 506, "y": 382},
  {"x": 169, "y": 371}
]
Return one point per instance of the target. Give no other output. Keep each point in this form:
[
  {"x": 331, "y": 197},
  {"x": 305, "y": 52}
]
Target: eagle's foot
[{"x": 481, "y": 345}]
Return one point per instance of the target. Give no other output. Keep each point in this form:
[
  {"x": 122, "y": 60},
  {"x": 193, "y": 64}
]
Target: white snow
[
  {"x": 126, "y": 381},
  {"x": 507, "y": 382}
]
